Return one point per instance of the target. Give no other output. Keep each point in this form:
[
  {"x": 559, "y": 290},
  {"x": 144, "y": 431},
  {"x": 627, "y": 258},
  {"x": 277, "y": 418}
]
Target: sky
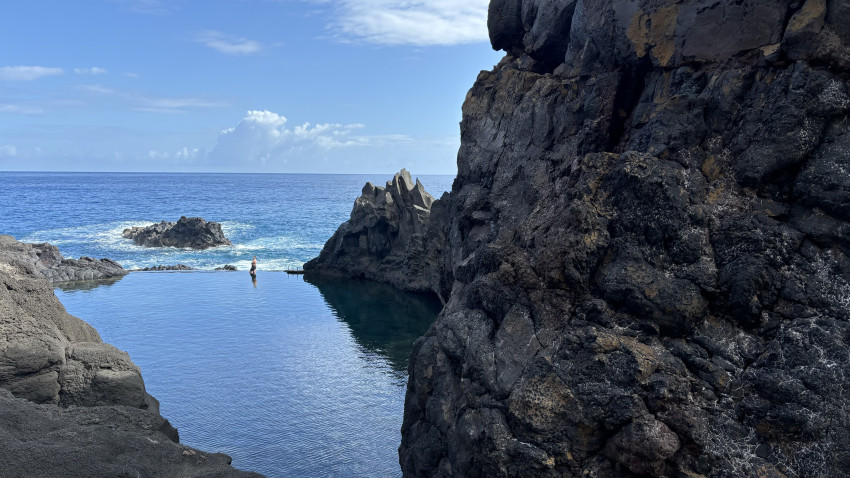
[{"x": 293, "y": 86}]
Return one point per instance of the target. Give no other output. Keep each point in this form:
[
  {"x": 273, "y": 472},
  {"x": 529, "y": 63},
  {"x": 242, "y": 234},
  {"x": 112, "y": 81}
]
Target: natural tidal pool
[{"x": 290, "y": 377}]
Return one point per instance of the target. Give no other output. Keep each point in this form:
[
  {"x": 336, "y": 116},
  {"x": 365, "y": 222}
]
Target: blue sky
[{"x": 342, "y": 86}]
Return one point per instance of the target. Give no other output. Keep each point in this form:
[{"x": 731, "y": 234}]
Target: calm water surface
[{"x": 290, "y": 378}]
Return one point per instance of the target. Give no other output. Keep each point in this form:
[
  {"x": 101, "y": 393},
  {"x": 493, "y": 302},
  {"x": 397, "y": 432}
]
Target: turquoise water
[{"x": 291, "y": 377}]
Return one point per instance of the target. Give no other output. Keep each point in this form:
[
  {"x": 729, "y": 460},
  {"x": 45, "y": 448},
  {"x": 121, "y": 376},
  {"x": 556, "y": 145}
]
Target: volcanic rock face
[
  {"x": 187, "y": 232},
  {"x": 395, "y": 235},
  {"x": 104, "y": 416},
  {"x": 649, "y": 245},
  {"x": 48, "y": 356},
  {"x": 46, "y": 260}
]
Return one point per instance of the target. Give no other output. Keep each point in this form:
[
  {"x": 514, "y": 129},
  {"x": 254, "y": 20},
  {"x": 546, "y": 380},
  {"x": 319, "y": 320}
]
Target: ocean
[
  {"x": 283, "y": 219},
  {"x": 290, "y": 377}
]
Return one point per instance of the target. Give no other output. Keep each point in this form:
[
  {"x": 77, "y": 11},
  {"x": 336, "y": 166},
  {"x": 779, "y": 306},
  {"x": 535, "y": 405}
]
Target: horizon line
[{"x": 206, "y": 172}]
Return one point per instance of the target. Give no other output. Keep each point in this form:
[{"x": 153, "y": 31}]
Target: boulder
[
  {"x": 227, "y": 267},
  {"x": 187, "y": 232}
]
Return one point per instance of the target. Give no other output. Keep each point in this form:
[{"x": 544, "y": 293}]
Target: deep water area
[{"x": 290, "y": 378}]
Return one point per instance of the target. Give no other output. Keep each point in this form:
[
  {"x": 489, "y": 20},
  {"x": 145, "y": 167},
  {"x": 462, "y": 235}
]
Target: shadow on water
[
  {"x": 85, "y": 285},
  {"x": 382, "y": 318}
]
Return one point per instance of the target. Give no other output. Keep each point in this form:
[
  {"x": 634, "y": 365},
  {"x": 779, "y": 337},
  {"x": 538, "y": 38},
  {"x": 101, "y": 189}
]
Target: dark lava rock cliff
[
  {"x": 395, "y": 234},
  {"x": 187, "y": 232},
  {"x": 647, "y": 248}
]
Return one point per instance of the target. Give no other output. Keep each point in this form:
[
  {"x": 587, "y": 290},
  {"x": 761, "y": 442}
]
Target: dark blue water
[
  {"x": 283, "y": 219},
  {"x": 291, "y": 378}
]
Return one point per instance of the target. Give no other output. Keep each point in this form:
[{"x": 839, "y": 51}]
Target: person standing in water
[{"x": 254, "y": 266}]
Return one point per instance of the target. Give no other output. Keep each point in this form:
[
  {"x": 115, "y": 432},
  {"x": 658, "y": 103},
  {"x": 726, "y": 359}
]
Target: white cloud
[
  {"x": 131, "y": 75},
  {"x": 263, "y": 137},
  {"x": 21, "y": 109},
  {"x": 143, "y": 102},
  {"x": 8, "y": 150},
  {"x": 158, "y": 155},
  {"x": 228, "y": 44},
  {"x": 411, "y": 22},
  {"x": 188, "y": 154},
  {"x": 27, "y": 73},
  {"x": 100, "y": 89},
  {"x": 183, "y": 155},
  {"x": 90, "y": 71}
]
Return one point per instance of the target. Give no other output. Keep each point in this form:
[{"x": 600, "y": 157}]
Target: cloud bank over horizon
[
  {"x": 263, "y": 138},
  {"x": 264, "y": 141}
]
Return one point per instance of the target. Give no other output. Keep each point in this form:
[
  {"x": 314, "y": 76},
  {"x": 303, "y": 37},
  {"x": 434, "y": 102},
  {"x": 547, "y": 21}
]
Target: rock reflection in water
[
  {"x": 85, "y": 285},
  {"x": 382, "y": 318}
]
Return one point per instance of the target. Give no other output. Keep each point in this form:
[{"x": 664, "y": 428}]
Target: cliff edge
[
  {"x": 71, "y": 405},
  {"x": 647, "y": 248}
]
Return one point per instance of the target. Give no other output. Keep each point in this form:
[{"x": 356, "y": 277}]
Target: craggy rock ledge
[
  {"x": 48, "y": 261},
  {"x": 71, "y": 405},
  {"x": 395, "y": 234},
  {"x": 648, "y": 246}
]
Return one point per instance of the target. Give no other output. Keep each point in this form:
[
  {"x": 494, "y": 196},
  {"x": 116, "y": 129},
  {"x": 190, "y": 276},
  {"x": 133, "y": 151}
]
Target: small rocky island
[{"x": 187, "y": 232}]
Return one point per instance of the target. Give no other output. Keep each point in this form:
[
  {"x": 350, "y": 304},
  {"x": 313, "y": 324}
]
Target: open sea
[{"x": 290, "y": 377}]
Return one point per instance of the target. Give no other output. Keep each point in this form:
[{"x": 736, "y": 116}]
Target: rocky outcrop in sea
[
  {"x": 46, "y": 260},
  {"x": 71, "y": 405},
  {"x": 187, "y": 232},
  {"x": 395, "y": 234},
  {"x": 648, "y": 246},
  {"x": 228, "y": 268}
]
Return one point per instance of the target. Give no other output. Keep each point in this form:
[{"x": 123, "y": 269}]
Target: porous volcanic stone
[
  {"x": 648, "y": 248},
  {"x": 187, "y": 232},
  {"x": 47, "y": 261},
  {"x": 395, "y": 234}
]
